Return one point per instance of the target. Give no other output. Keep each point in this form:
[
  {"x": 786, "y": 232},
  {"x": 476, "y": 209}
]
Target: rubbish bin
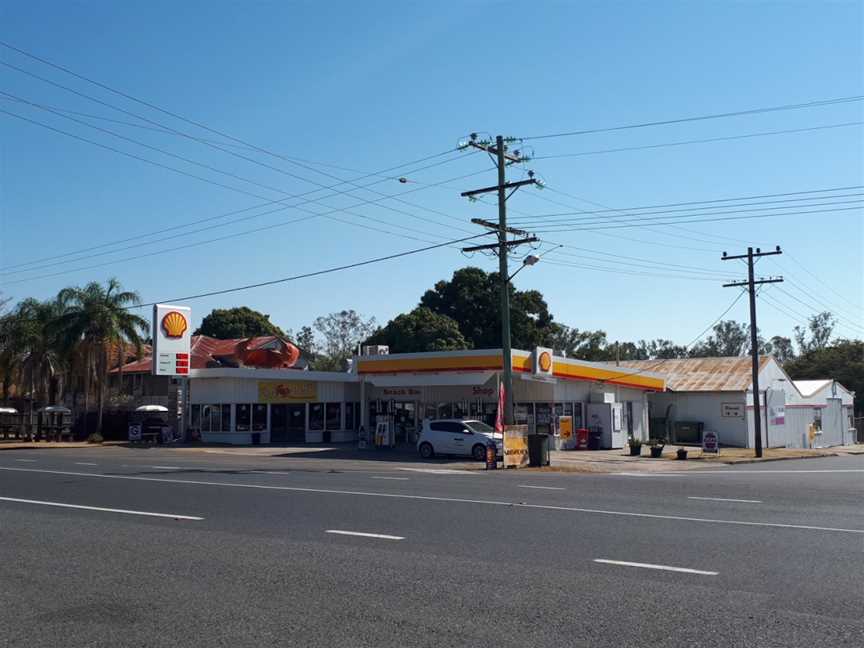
[
  {"x": 538, "y": 449},
  {"x": 256, "y": 438},
  {"x": 594, "y": 435}
]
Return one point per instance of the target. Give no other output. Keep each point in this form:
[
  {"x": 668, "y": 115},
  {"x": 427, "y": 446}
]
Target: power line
[
  {"x": 681, "y": 120},
  {"x": 186, "y": 246},
  {"x": 690, "y": 206},
  {"x": 632, "y": 273},
  {"x": 641, "y": 223},
  {"x": 12, "y": 269},
  {"x": 307, "y": 275},
  {"x": 696, "y": 141}
]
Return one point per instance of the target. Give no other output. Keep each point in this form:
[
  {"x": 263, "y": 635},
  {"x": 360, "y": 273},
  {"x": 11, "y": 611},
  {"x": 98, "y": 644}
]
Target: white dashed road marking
[
  {"x": 99, "y": 508},
  {"x": 541, "y": 487},
  {"x": 393, "y": 478},
  {"x": 681, "y": 570},
  {"x": 725, "y": 499},
  {"x": 379, "y": 536}
]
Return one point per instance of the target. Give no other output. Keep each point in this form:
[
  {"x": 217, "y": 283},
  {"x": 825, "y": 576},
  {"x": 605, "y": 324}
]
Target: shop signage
[
  {"x": 778, "y": 415},
  {"x": 565, "y": 427},
  {"x": 400, "y": 391},
  {"x": 515, "y": 446},
  {"x": 483, "y": 391},
  {"x": 293, "y": 391},
  {"x": 172, "y": 340},
  {"x": 710, "y": 445},
  {"x": 732, "y": 410},
  {"x": 543, "y": 361}
]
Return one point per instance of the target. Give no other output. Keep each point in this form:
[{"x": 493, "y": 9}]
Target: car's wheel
[
  {"x": 426, "y": 450},
  {"x": 478, "y": 453}
]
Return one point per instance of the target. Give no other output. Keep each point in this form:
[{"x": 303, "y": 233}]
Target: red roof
[{"x": 267, "y": 351}]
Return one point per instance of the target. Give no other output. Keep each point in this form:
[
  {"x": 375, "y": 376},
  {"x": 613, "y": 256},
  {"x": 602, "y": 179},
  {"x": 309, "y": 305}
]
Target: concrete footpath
[{"x": 343, "y": 455}]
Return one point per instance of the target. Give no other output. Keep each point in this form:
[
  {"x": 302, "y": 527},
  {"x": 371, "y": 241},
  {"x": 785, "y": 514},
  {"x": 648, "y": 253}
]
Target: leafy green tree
[
  {"x": 819, "y": 328},
  {"x": 842, "y": 360},
  {"x": 240, "y": 322},
  {"x": 472, "y": 299},
  {"x": 780, "y": 347},
  {"x": 96, "y": 319},
  {"x": 583, "y": 345},
  {"x": 729, "y": 339},
  {"x": 341, "y": 332},
  {"x": 420, "y": 330}
]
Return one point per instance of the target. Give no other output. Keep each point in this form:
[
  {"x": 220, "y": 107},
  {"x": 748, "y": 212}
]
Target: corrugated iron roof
[{"x": 701, "y": 374}]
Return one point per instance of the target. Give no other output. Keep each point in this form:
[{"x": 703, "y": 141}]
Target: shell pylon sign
[{"x": 172, "y": 340}]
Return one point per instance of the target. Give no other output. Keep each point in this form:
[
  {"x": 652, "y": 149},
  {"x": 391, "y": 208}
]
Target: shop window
[
  {"x": 195, "y": 416},
  {"x": 817, "y": 418},
  {"x": 316, "y": 416},
  {"x": 259, "y": 418},
  {"x": 243, "y": 414},
  {"x": 559, "y": 409},
  {"x": 578, "y": 416},
  {"x": 445, "y": 410},
  {"x": 334, "y": 416},
  {"x": 460, "y": 410},
  {"x": 568, "y": 409},
  {"x": 349, "y": 416},
  {"x": 212, "y": 419}
]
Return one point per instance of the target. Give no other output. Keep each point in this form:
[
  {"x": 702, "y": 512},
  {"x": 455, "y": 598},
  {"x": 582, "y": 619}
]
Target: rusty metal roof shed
[{"x": 702, "y": 374}]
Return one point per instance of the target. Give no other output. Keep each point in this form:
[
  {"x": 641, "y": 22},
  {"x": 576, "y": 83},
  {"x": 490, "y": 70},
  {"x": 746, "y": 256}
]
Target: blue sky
[{"x": 367, "y": 86}]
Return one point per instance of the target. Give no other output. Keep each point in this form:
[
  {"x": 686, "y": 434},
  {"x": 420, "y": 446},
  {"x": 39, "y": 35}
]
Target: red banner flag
[{"x": 499, "y": 417}]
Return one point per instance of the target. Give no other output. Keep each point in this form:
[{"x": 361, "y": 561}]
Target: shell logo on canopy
[
  {"x": 543, "y": 362},
  {"x": 174, "y": 324}
]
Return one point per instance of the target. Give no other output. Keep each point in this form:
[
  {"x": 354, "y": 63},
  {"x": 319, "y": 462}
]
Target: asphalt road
[{"x": 166, "y": 548}]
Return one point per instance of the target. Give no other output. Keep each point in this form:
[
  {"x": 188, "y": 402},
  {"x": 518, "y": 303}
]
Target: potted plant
[
  {"x": 681, "y": 454},
  {"x": 635, "y": 446},
  {"x": 657, "y": 446}
]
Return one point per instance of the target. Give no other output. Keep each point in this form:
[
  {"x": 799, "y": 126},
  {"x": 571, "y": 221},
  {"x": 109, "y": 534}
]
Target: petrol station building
[{"x": 243, "y": 405}]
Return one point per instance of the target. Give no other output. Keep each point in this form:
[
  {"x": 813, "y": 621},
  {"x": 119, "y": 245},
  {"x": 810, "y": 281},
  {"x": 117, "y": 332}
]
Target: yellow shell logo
[
  {"x": 545, "y": 362},
  {"x": 174, "y": 325}
]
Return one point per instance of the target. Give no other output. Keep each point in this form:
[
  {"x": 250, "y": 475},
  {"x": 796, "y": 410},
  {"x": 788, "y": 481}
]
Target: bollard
[{"x": 491, "y": 459}]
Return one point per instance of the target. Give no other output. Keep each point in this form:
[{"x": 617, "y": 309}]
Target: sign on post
[
  {"x": 710, "y": 445},
  {"x": 515, "y": 446},
  {"x": 172, "y": 340}
]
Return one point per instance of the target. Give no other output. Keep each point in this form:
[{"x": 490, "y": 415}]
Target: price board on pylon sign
[{"x": 172, "y": 340}]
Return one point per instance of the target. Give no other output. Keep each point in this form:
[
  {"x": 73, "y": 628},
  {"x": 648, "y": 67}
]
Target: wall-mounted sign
[
  {"x": 289, "y": 391},
  {"x": 778, "y": 415},
  {"x": 710, "y": 444},
  {"x": 172, "y": 340},
  {"x": 732, "y": 410},
  {"x": 543, "y": 361},
  {"x": 400, "y": 391}
]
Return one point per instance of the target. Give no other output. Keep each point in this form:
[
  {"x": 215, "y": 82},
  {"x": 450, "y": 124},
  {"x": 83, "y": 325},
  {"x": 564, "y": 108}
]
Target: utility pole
[
  {"x": 751, "y": 284},
  {"x": 502, "y": 158}
]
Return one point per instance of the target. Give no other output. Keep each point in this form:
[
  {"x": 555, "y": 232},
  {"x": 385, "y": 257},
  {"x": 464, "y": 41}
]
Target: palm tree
[
  {"x": 30, "y": 351},
  {"x": 96, "y": 320}
]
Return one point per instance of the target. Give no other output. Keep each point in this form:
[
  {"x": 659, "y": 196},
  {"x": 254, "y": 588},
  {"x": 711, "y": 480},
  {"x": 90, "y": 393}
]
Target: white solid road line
[
  {"x": 727, "y": 472},
  {"x": 393, "y": 478},
  {"x": 84, "y": 463},
  {"x": 541, "y": 487},
  {"x": 167, "y": 467},
  {"x": 379, "y": 536},
  {"x": 681, "y": 570},
  {"x": 26, "y": 460},
  {"x": 430, "y": 498},
  {"x": 726, "y": 499},
  {"x": 99, "y": 508},
  {"x": 440, "y": 471}
]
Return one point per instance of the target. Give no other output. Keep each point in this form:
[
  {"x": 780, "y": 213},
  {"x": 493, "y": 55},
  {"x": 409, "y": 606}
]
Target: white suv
[{"x": 467, "y": 438}]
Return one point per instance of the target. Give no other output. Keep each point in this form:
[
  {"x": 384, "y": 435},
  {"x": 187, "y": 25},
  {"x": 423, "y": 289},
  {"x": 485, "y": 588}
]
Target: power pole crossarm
[{"x": 751, "y": 284}]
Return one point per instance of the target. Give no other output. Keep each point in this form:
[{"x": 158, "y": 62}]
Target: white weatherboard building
[{"x": 717, "y": 394}]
